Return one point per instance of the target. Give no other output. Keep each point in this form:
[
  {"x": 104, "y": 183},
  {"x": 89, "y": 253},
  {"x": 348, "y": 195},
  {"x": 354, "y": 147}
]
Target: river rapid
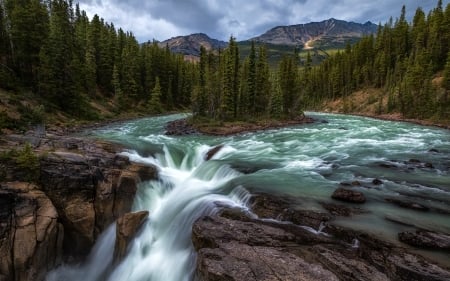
[{"x": 306, "y": 162}]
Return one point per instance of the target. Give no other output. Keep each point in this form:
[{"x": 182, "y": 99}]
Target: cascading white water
[
  {"x": 307, "y": 162},
  {"x": 163, "y": 249}
]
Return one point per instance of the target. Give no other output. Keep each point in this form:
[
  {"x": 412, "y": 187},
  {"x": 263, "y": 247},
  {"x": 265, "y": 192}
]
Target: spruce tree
[{"x": 154, "y": 104}]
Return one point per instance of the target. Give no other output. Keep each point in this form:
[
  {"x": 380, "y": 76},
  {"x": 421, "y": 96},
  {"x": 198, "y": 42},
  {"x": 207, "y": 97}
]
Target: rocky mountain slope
[
  {"x": 327, "y": 32},
  {"x": 331, "y": 33},
  {"x": 190, "y": 44}
]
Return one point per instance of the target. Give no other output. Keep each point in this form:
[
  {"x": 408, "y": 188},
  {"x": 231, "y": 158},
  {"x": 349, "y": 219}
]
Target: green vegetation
[
  {"x": 402, "y": 60},
  {"x": 56, "y": 61},
  {"x": 54, "y": 57},
  {"x": 25, "y": 160}
]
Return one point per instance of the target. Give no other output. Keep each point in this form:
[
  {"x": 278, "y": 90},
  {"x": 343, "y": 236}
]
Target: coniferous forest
[{"x": 52, "y": 49}]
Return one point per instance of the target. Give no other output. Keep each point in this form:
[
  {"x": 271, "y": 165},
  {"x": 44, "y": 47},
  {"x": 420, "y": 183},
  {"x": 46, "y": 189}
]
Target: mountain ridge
[
  {"x": 324, "y": 34},
  {"x": 330, "y": 29}
]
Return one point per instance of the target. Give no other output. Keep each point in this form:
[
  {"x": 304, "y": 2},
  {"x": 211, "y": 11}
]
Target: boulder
[
  {"x": 30, "y": 235},
  {"x": 127, "y": 227},
  {"x": 348, "y": 195},
  {"x": 408, "y": 204},
  {"x": 426, "y": 239},
  {"x": 213, "y": 151}
]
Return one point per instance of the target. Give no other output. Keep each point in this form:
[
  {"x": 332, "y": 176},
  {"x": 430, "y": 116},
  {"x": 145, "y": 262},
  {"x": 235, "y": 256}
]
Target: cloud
[{"x": 162, "y": 19}]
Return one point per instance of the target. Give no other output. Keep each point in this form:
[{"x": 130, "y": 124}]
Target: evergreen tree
[
  {"x": 251, "y": 80},
  {"x": 58, "y": 69},
  {"x": 28, "y": 22},
  {"x": 154, "y": 104},
  {"x": 262, "y": 86}
]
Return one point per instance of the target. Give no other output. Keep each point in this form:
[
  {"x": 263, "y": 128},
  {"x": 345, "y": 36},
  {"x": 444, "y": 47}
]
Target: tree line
[
  {"x": 230, "y": 89},
  {"x": 53, "y": 49},
  {"x": 402, "y": 60}
]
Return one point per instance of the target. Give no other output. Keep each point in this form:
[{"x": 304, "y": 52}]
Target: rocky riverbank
[
  {"x": 79, "y": 187},
  {"x": 285, "y": 243}
]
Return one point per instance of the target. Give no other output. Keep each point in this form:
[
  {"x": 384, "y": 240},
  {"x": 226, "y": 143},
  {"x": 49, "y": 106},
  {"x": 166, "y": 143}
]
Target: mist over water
[{"x": 307, "y": 162}]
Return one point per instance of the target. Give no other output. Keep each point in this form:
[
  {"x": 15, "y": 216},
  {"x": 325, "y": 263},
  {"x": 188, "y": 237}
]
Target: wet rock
[
  {"x": 213, "y": 151},
  {"x": 387, "y": 165},
  {"x": 433, "y": 150},
  {"x": 404, "y": 203},
  {"x": 426, "y": 239},
  {"x": 377, "y": 182},
  {"x": 30, "y": 235},
  {"x": 283, "y": 208},
  {"x": 127, "y": 227},
  {"x": 250, "y": 250},
  {"x": 356, "y": 183},
  {"x": 352, "y": 268},
  {"x": 180, "y": 128},
  {"x": 341, "y": 210},
  {"x": 348, "y": 195},
  {"x": 406, "y": 266}
]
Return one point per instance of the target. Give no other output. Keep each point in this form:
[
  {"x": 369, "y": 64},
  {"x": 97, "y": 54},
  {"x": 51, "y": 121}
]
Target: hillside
[
  {"x": 329, "y": 33},
  {"x": 190, "y": 45}
]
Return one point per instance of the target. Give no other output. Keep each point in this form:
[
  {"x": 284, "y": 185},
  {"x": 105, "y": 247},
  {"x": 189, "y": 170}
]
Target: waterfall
[{"x": 186, "y": 190}]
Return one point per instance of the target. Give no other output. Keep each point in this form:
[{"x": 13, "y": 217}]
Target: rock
[
  {"x": 404, "y": 203},
  {"x": 234, "y": 246},
  {"x": 426, "y": 239},
  {"x": 351, "y": 268},
  {"x": 348, "y": 195},
  {"x": 341, "y": 210},
  {"x": 387, "y": 165},
  {"x": 377, "y": 182},
  {"x": 127, "y": 227},
  {"x": 248, "y": 250},
  {"x": 180, "y": 128},
  {"x": 213, "y": 151},
  {"x": 282, "y": 208},
  {"x": 90, "y": 192},
  {"x": 30, "y": 235},
  {"x": 434, "y": 150}
]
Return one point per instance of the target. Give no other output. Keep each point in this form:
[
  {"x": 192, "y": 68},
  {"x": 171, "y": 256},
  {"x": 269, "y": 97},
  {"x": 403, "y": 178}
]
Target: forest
[{"x": 66, "y": 60}]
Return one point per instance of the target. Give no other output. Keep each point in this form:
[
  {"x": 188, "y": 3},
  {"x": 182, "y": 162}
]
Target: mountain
[
  {"x": 326, "y": 34},
  {"x": 190, "y": 45}
]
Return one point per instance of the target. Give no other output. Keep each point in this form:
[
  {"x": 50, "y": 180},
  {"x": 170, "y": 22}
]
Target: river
[{"x": 307, "y": 162}]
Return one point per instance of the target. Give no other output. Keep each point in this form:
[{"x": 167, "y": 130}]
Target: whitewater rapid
[{"x": 307, "y": 162}]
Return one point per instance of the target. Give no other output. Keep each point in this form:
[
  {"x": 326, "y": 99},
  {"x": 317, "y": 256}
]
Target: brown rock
[
  {"x": 30, "y": 236},
  {"x": 213, "y": 151},
  {"x": 126, "y": 229},
  {"x": 405, "y": 203},
  {"x": 348, "y": 195},
  {"x": 426, "y": 239}
]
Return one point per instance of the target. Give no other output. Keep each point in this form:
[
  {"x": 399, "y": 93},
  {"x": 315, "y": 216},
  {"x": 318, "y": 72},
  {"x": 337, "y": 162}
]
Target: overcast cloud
[{"x": 244, "y": 19}]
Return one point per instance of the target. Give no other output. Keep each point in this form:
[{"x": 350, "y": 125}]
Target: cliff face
[
  {"x": 329, "y": 31},
  {"x": 83, "y": 187}
]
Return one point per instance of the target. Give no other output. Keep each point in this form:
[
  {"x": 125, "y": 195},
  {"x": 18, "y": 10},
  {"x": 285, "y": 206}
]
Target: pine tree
[
  {"x": 58, "y": 69},
  {"x": 251, "y": 80},
  {"x": 154, "y": 104},
  {"x": 262, "y": 86},
  {"x": 29, "y": 25}
]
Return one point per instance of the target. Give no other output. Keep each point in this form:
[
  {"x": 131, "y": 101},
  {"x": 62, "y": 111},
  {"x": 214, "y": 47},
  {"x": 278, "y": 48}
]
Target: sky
[{"x": 243, "y": 19}]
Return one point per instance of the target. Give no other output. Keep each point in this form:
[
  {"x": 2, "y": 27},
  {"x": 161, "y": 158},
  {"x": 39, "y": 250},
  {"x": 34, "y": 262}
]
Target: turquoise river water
[{"x": 307, "y": 162}]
